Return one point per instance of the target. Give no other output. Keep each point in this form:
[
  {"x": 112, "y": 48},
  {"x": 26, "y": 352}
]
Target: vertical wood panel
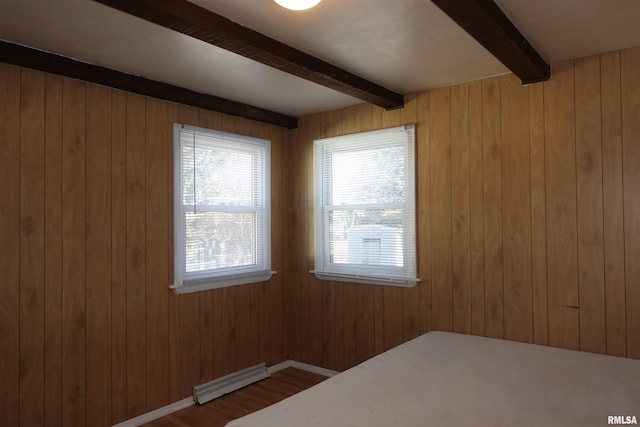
[
  {"x": 53, "y": 254},
  {"x": 243, "y": 313},
  {"x": 460, "y": 210},
  {"x": 613, "y": 204},
  {"x": 287, "y": 215},
  {"x": 589, "y": 205},
  {"x": 516, "y": 188},
  {"x": 315, "y": 307},
  {"x": 73, "y": 253},
  {"x": 538, "y": 215},
  {"x": 440, "y": 126},
  {"x": 493, "y": 237},
  {"x": 175, "y": 366},
  {"x": 295, "y": 246},
  {"x": 32, "y": 257},
  {"x": 218, "y": 336},
  {"x": 411, "y": 296},
  {"x": 136, "y": 257},
  {"x": 476, "y": 209},
  {"x": 273, "y": 337},
  {"x": 229, "y": 330},
  {"x": 98, "y": 252},
  {"x": 329, "y": 331},
  {"x": 630, "y": 82},
  {"x": 306, "y": 242},
  {"x": 118, "y": 256},
  {"x": 365, "y": 332},
  {"x": 261, "y": 294},
  {"x": 158, "y": 183},
  {"x": 423, "y": 207},
  {"x": 561, "y": 208},
  {"x": 10, "y": 248}
]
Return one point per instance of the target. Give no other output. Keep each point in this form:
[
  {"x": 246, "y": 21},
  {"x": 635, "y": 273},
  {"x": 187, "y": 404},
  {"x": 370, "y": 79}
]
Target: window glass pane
[
  {"x": 368, "y": 176},
  {"x": 221, "y": 177},
  {"x": 220, "y": 240},
  {"x": 367, "y": 237}
]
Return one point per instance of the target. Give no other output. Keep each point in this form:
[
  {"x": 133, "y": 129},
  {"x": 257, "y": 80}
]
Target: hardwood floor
[{"x": 220, "y": 411}]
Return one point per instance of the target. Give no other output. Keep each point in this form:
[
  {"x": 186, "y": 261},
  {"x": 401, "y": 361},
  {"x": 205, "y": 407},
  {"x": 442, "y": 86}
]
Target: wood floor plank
[{"x": 220, "y": 411}]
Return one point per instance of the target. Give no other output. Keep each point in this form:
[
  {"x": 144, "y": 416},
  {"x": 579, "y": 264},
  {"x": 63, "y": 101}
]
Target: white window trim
[
  {"x": 376, "y": 275},
  {"x": 231, "y": 276}
]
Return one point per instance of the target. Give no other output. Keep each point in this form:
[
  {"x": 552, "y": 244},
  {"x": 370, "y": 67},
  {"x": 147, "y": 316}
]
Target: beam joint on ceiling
[
  {"x": 205, "y": 25},
  {"x": 486, "y": 23},
  {"x": 55, "y": 64}
]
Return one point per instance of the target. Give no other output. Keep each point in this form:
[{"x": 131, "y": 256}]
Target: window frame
[
  {"x": 325, "y": 268},
  {"x": 185, "y": 282}
]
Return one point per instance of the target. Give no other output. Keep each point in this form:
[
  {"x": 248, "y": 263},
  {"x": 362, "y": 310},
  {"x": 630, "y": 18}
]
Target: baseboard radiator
[{"x": 203, "y": 393}]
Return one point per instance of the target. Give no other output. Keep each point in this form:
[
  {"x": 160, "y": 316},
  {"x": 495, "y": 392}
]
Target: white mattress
[{"x": 446, "y": 379}]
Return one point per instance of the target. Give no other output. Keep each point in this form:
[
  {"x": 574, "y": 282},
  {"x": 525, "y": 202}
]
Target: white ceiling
[{"x": 404, "y": 45}]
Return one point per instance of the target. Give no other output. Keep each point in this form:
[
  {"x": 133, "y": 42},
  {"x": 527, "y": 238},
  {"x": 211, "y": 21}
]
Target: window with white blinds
[
  {"x": 221, "y": 209},
  {"x": 365, "y": 207}
]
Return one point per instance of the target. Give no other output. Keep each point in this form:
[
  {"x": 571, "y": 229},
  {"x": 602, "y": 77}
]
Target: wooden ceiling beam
[
  {"x": 55, "y": 64},
  {"x": 486, "y": 23},
  {"x": 203, "y": 24}
]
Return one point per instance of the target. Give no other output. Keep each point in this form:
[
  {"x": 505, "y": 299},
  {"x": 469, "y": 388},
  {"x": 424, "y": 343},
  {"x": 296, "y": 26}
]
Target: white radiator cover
[{"x": 208, "y": 391}]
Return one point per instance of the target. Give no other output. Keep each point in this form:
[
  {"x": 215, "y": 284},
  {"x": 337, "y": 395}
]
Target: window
[
  {"x": 365, "y": 207},
  {"x": 222, "y": 220}
]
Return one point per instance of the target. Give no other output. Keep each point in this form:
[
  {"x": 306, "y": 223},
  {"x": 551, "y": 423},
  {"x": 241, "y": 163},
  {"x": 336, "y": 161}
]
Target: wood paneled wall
[
  {"x": 90, "y": 334},
  {"x": 528, "y": 218}
]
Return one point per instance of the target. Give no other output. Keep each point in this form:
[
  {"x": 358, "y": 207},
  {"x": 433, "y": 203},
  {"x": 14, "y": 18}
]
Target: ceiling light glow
[{"x": 297, "y": 4}]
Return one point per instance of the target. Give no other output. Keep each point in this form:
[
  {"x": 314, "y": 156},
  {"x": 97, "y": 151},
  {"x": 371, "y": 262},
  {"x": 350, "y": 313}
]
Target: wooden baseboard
[
  {"x": 303, "y": 366},
  {"x": 158, "y": 413}
]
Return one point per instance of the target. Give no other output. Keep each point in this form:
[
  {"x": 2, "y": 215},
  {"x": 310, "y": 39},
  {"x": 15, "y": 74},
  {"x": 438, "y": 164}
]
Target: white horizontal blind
[
  {"x": 365, "y": 207},
  {"x": 222, "y": 208}
]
